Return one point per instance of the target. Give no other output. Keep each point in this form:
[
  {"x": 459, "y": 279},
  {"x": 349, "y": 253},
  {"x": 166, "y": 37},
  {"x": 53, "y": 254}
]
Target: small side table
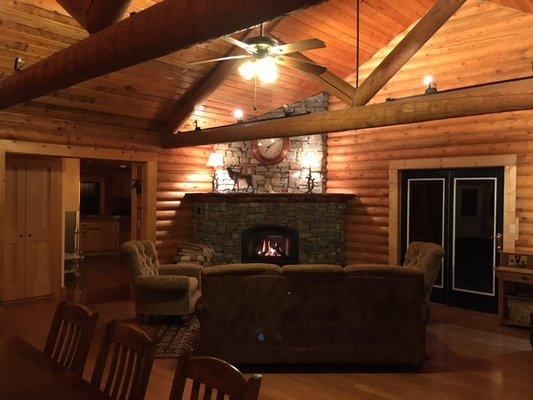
[{"x": 510, "y": 274}]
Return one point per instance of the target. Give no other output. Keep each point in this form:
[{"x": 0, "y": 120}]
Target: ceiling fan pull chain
[
  {"x": 255, "y": 92},
  {"x": 357, "y": 49}
]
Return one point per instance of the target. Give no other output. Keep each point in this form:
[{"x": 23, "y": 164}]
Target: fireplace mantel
[{"x": 267, "y": 198}]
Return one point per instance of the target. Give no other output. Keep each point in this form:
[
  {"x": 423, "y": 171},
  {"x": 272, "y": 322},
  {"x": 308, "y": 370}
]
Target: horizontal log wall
[
  {"x": 482, "y": 43},
  {"x": 179, "y": 171}
]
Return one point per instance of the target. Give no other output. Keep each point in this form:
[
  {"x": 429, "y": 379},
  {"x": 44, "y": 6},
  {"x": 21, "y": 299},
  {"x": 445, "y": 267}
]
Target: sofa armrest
[
  {"x": 164, "y": 283},
  {"x": 192, "y": 270}
]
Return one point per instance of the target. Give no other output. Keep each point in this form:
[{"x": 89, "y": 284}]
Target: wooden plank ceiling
[{"x": 143, "y": 96}]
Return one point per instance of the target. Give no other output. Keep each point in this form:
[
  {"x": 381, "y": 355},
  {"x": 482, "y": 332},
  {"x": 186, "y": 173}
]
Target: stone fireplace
[
  {"x": 274, "y": 244},
  {"x": 301, "y": 228}
]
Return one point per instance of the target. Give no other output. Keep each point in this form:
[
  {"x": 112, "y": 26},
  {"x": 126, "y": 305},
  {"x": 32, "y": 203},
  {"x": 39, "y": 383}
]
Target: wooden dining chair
[
  {"x": 214, "y": 375},
  {"x": 70, "y": 336},
  {"x": 124, "y": 362}
]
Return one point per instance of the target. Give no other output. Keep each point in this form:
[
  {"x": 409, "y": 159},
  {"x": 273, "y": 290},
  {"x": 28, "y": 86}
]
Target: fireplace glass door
[{"x": 271, "y": 244}]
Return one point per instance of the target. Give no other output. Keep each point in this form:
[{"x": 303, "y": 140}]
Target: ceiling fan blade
[
  {"x": 296, "y": 47},
  {"x": 300, "y": 65},
  {"x": 238, "y": 57},
  {"x": 238, "y": 43}
]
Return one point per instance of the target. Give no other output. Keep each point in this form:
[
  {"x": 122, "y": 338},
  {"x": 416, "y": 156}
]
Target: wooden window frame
[{"x": 510, "y": 221}]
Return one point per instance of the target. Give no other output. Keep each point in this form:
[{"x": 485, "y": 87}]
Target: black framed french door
[{"x": 462, "y": 210}]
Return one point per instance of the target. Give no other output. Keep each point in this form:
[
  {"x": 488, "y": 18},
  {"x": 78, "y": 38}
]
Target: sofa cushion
[
  {"x": 312, "y": 269},
  {"x": 382, "y": 270},
  {"x": 161, "y": 283},
  {"x": 242, "y": 269}
]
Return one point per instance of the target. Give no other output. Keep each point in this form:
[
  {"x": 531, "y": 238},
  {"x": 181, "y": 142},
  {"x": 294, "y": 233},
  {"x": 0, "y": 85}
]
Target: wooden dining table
[{"x": 27, "y": 374}]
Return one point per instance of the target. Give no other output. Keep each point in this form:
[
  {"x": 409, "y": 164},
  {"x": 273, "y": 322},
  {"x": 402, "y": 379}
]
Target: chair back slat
[
  {"x": 67, "y": 344},
  {"x": 70, "y": 336},
  {"x": 112, "y": 372},
  {"x": 128, "y": 376},
  {"x": 195, "y": 392},
  {"x": 124, "y": 362},
  {"x": 75, "y": 342},
  {"x": 208, "y": 391},
  {"x": 216, "y": 375}
]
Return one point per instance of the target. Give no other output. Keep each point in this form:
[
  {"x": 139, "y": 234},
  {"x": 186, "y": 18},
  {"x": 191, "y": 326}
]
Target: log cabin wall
[
  {"x": 482, "y": 43},
  {"x": 179, "y": 171}
]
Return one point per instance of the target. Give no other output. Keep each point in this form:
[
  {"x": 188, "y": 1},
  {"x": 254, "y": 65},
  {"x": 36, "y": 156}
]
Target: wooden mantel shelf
[{"x": 268, "y": 197}]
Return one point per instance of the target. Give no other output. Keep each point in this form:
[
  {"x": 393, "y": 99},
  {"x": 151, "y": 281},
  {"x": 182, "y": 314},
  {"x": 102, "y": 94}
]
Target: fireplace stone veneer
[{"x": 318, "y": 219}]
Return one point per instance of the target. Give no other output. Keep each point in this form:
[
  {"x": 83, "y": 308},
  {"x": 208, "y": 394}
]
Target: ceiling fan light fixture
[
  {"x": 267, "y": 70},
  {"x": 248, "y": 69}
]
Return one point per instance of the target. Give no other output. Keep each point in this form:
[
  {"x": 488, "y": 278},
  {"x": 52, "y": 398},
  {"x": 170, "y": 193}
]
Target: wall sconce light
[
  {"x": 431, "y": 85},
  {"x": 310, "y": 161},
  {"x": 215, "y": 160}
]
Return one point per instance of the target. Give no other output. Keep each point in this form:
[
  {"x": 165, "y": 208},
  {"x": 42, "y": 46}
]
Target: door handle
[{"x": 499, "y": 241}]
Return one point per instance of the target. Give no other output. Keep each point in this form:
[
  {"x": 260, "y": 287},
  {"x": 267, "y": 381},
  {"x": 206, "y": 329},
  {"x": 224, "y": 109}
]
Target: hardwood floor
[{"x": 470, "y": 358}]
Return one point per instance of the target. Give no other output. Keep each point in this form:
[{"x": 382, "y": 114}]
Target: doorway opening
[
  {"x": 461, "y": 210},
  {"x": 109, "y": 199}
]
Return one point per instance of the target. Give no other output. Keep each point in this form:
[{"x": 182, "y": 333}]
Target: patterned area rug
[{"x": 177, "y": 339}]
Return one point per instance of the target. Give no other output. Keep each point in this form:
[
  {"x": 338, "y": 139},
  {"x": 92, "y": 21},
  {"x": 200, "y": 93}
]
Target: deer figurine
[{"x": 237, "y": 177}]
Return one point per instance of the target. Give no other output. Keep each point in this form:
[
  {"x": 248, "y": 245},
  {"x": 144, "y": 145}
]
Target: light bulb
[
  {"x": 428, "y": 79},
  {"x": 238, "y": 114},
  {"x": 310, "y": 160},
  {"x": 267, "y": 70},
  {"x": 248, "y": 70}
]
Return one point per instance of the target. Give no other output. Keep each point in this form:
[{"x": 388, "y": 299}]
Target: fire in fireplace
[{"x": 270, "y": 243}]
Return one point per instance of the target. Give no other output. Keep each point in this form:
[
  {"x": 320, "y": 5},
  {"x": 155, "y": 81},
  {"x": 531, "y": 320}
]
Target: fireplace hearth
[{"x": 275, "y": 244}]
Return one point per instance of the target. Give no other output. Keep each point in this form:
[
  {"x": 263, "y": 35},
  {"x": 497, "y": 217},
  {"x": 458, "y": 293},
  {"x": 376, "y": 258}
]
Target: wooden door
[
  {"x": 43, "y": 223},
  {"x": 15, "y": 230}
]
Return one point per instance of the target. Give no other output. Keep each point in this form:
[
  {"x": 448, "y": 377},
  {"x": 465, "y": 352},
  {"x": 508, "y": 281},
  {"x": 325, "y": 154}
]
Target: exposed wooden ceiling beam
[
  {"x": 522, "y": 5},
  {"x": 157, "y": 31},
  {"x": 485, "y": 99},
  {"x": 408, "y": 46},
  {"x": 201, "y": 92},
  {"x": 330, "y": 82},
  {"x": 95, "y": 15}
]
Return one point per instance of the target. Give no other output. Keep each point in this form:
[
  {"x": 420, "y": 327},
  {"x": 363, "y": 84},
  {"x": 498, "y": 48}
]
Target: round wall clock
[{"x": 270, "y": 151}]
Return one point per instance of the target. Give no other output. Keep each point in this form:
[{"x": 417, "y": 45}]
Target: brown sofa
[{"x": 263, "y": 314}]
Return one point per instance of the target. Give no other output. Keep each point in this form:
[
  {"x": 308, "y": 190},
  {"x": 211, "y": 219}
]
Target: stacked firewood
[{"x": 197, "y": 253}]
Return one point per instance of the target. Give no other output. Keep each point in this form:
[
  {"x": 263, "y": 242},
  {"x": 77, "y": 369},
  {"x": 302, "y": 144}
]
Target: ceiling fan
[{"x": 265, "y": 53}]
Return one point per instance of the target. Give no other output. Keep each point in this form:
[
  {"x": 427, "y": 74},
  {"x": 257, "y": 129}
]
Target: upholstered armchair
[
  {"x": 426, "y": 257},
  {"x": 160, "y": 289}
]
